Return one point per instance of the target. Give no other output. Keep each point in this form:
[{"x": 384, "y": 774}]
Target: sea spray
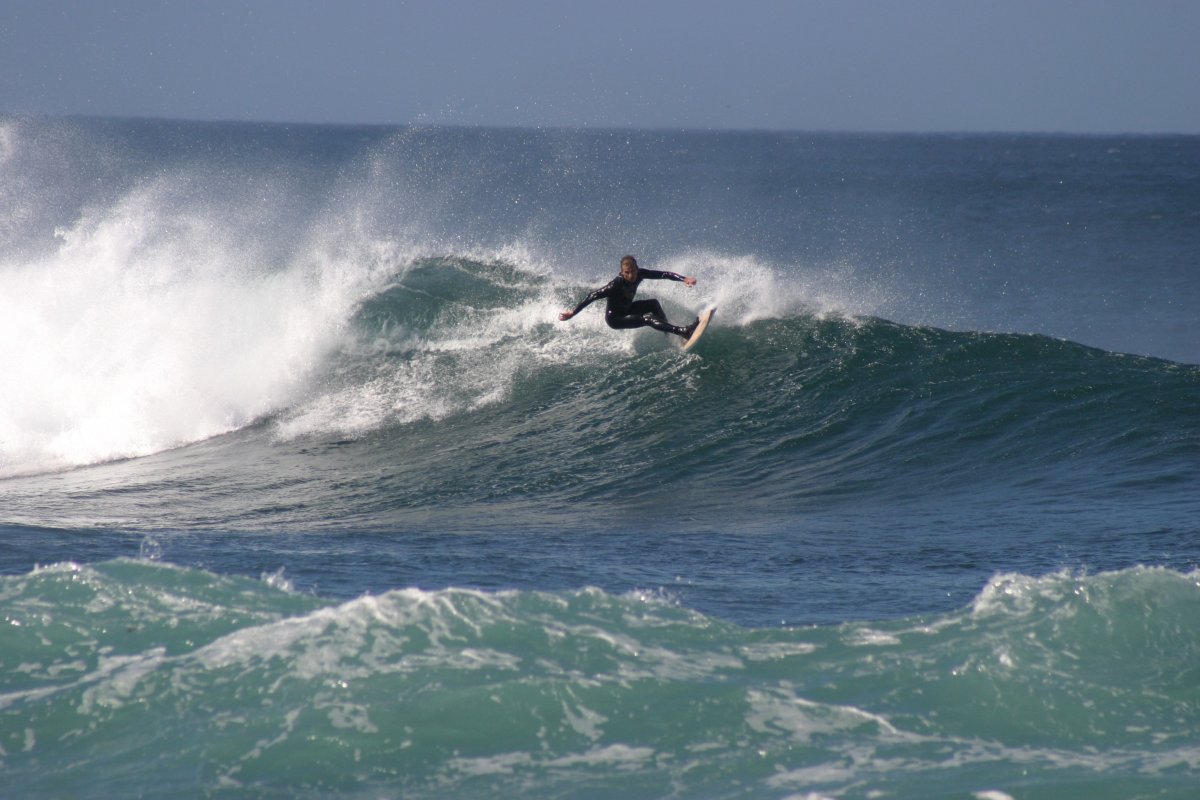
[{"x": 154, "y": 326}]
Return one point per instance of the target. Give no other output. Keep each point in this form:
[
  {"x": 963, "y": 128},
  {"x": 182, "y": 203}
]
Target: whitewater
[{"x": 305, "y": 491}]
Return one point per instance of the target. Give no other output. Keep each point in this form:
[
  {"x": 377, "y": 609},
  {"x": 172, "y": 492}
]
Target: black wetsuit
[{"x": 623, "y": 311}]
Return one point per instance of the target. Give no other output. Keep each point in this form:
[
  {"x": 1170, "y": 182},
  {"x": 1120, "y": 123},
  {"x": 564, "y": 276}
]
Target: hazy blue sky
[{"x": 904, "y": 65}]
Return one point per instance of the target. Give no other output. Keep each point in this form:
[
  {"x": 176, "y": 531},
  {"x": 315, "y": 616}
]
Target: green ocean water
[{"x": 133, "y": 678}]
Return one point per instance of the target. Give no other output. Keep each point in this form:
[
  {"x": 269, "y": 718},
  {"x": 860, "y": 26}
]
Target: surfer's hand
[
  {"x": 689, "y": 281},
  {"x": 565, "y": 315}
]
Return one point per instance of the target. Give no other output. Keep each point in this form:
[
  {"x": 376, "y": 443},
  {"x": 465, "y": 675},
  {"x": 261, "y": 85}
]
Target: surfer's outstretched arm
[
  {"x": 603, "y": 291},
  {"x": 654, "y": 274}
]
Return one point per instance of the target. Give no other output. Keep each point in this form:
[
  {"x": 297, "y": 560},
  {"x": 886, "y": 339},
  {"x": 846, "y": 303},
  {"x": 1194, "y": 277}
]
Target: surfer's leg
[
  {"x": 652, "y": 307},
  {"x": 641, "y": 321},
  {"x": 652, "y": 314},
  {"x": 644, "y": 320}
]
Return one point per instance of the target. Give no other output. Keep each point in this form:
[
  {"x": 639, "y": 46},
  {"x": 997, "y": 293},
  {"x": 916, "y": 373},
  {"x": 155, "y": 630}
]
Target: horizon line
[{"x": 601, "y": 128}]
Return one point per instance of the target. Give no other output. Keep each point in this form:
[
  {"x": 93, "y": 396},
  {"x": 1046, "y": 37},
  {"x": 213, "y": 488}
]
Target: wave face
[
  {"x": 457, "y": 377},
  {"x": 450, "y": 386},
  {"x": 180, "y": 681}
]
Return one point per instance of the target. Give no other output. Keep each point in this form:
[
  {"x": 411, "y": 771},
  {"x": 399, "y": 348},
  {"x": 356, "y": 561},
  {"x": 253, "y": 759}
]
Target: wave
[
  {"x": 452, "y": 381},
  {"x": 323, "y": 311},
  {"x": 139, "y": 678},
  {"x": 183, "y": 307},
  {"x": 783, "y": 393}
]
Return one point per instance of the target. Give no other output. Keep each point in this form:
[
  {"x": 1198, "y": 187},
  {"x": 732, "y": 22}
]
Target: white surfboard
[{"x": 696, "y": 334}]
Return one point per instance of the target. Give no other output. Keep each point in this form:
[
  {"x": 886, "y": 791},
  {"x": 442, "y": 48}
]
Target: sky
[{"x": 1069, "y": 66}]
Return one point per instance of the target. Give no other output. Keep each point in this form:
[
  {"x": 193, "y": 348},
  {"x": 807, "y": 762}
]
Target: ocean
[{"x": 306, "y": 492}]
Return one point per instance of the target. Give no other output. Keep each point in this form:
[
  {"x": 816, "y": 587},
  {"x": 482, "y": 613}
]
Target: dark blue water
[{"x": 306, "y": 386}]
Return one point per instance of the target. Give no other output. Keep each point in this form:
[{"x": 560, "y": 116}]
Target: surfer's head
[{"x": 629, "y": 268}]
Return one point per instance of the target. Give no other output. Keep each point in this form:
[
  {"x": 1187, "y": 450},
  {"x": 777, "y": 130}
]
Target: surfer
[{"x": 622, "y": 311}]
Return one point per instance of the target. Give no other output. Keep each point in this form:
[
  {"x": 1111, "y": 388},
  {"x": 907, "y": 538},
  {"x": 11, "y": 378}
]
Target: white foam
[
  {"x": 613, "y": 755},
  {"x": 747, "y": 288},
  {"x": 782, "y": 711},
  {"x": 776, "y": 651},
  {"x": 153, "y": 325}
]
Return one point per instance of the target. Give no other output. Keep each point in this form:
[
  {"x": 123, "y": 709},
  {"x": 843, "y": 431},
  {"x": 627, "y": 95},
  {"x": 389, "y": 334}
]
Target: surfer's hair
[{"x": 628, "y": 260}]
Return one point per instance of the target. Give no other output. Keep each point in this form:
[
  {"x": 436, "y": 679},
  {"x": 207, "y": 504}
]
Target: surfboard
[{"x": 696, "y": 334}]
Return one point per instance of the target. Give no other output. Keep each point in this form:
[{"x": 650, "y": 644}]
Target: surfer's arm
[
  {"x": 603, "y": 291},
  {"x": 659, "y": 275}
]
